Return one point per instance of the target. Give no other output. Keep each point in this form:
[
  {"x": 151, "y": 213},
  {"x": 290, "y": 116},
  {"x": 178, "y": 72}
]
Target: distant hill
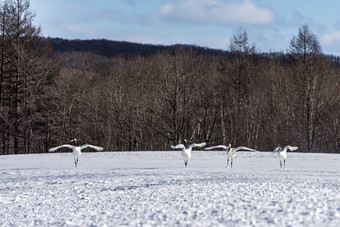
[{"x": 110, "y": 48}]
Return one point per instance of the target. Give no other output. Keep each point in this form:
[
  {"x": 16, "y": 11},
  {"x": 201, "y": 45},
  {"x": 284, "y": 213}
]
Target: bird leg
[
  {"x": 280, "y": 164},
  {"x": 76, "y": 161},
  {"x": 185, "y": 163},
  {"x": 284, "y": 163},
  {"x": 231, "y": 163},
  {"x": 227, "y": 163}
]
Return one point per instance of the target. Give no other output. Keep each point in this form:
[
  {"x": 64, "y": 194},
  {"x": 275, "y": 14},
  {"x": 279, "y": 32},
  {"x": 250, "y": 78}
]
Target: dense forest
[
  {"x": 126, "y": 96},
  {"x": 110, "y": 49}
]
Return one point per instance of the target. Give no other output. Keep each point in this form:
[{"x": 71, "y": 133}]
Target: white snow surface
[{"x": 154, "y": 189}]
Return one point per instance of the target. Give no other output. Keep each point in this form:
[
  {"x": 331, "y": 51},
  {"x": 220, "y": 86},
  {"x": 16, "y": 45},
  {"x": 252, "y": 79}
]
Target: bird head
[
  {"x": 73, "y": 141},
  {"x": 185, "y": 141}
]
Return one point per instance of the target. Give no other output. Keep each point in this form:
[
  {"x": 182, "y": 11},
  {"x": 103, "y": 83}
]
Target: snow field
[{"x": 154, "y": 189}]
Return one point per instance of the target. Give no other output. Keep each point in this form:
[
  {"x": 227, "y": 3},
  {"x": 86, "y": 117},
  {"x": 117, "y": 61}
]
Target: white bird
[
  {"x": 186, "y": 151},
  {"x": 76, "y": 150},
  {"x": 282, "y": 154},
  {"x": 231, "y": 152}
]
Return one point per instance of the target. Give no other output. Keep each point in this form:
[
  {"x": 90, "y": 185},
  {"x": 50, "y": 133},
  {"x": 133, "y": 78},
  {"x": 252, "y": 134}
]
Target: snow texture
[{"x": 154, "y": 189}]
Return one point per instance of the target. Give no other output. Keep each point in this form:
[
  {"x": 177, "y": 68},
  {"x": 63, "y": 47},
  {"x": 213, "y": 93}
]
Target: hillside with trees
[
  {"x": 125, "y": 96},
  {"x": 110, "y": 49}
]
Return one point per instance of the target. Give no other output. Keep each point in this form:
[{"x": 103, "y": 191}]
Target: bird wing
[
  {"x": 91, "y": 146},
  {"x": 290, "y": 148},
  {"x": 217, "y": 146},
  {"x": 276, "y": 149},
  {"x": 243, "y": 149},
  {"x": 178, "y": 146},
  {"x": 197, "y": 145},
  {"x": 64, "y": 145}
]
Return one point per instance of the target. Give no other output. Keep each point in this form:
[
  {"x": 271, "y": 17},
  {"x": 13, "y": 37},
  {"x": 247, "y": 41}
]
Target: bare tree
[
  {"x": 309, "y": 74},
  {"x": 24, "y": 74},
  {"x": 238, "y": 70}
]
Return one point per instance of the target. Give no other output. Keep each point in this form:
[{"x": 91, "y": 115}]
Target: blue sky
[{"x": 270, "y": 24}]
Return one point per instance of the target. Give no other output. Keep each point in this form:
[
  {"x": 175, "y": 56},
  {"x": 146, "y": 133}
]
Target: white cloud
[
  {"x": 331, "y": 37},
  {"x": 216, "y": 11}
]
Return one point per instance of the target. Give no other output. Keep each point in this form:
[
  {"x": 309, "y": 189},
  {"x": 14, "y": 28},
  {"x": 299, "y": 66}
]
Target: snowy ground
[{"x": 154, "y": 189}]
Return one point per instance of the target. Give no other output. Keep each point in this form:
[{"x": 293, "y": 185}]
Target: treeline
[
  {"x": 110, "y": 49},
  {"x": 26, "y": 73},
  {"x": 151, "y": 101}
]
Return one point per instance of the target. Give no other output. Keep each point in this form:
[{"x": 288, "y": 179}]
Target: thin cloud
[
  {"x": 331, "y": 37},
  {"x": 330, "y": 42},
  {"x": 216, "y": 11}
]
